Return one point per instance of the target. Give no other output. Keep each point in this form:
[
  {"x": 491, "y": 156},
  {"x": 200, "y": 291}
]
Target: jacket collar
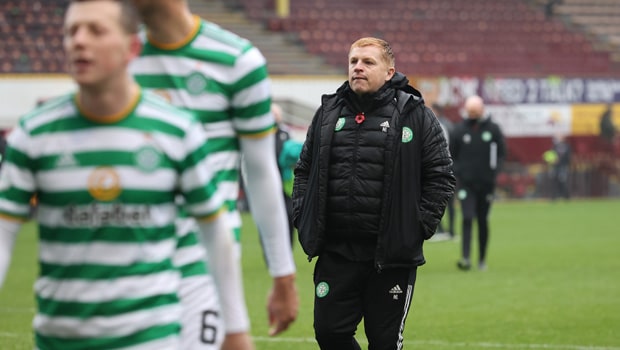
[{"x": 370, "y": 102}]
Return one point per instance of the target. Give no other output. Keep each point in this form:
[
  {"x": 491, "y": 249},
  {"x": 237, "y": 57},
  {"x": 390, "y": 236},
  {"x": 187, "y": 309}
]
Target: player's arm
[
  {"x": 254, "y": 124},
  {"x": 264, "y": 188},
  {"x": 253, "y": 120},
  {"x": 501, "y": 149},
  {"x": 16, "y": 189}
]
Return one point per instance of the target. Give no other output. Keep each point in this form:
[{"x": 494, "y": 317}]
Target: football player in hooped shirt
[
  {"x": 222, "y": 79},
  {"x": 107, "y": 164}
]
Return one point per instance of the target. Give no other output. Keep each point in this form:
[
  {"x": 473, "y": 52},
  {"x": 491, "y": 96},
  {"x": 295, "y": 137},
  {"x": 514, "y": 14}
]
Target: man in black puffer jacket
[
  {"x": 478, "y": 149},
  {"x": 372, "y": 183}
]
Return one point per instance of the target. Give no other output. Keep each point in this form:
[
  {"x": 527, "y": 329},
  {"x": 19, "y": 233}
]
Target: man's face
[
  {"x": 368, "y": 71},
  {"x": 474, "y": 107},
  {"x": 97, "y": 48}
]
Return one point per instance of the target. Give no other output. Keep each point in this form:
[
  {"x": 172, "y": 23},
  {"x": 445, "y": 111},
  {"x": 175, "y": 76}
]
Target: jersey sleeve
[
  {"x": 251, "y": 96},
  {"x": 198, "y": 181},
  {"x": 17, "y": 181}
]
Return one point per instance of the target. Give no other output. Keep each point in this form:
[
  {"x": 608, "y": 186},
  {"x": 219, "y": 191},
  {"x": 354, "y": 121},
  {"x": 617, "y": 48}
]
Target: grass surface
[{"x": 553, "y": 282}]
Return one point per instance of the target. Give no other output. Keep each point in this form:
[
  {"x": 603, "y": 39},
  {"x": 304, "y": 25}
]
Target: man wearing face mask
[{"x": 478, "y": 150}]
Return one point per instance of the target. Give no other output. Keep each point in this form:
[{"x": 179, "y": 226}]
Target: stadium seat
[{"x": 446, "y": 36}]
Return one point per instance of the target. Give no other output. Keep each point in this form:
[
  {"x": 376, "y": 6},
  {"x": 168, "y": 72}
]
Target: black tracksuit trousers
[
  {"x": 347, "y": 291},
  {"x": 475, "y": 204}
]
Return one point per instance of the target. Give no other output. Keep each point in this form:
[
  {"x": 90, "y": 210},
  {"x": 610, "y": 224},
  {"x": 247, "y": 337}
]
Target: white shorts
[
  {"x": 202, "y": 322},
  {"x": 237, "y": 319}
]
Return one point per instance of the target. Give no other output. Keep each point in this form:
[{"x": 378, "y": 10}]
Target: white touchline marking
[
  {"x": 455, "y": 344},
  {"x": 283, "y": 340},
  {"x": 418, "y": 342}
]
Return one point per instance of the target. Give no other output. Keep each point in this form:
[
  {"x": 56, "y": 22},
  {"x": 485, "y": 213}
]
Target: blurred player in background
[
  {"x": 107, "y": 164},
  {"x": 478, "y": 150},
  {"x": 222, "y": 79}
]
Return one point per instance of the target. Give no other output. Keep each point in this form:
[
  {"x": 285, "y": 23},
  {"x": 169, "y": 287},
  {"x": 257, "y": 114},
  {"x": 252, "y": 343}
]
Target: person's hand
[
  {"x": 237, "y": 341},
  {"x": 282, "y": 304}
]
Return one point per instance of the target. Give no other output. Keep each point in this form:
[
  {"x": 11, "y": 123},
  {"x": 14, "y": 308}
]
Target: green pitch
[{"x": 553, "y": 282}]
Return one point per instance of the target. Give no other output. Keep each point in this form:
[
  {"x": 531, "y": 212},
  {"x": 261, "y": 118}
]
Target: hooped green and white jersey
[
  {"x": 222, "y": 79},
  {"x": 106, "y": 215}
]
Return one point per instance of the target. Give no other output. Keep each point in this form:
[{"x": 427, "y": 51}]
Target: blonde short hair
[{"x": 387, "y": 55}]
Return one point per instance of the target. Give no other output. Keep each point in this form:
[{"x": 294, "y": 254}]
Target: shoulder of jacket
[
  {"x": 329, "y": 101},
  {"x": 407, "y": 100},
  {"x": 493, "y": 124}
]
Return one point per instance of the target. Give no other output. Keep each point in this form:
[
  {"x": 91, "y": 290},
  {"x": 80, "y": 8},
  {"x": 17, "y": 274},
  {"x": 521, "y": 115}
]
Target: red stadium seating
[
  {"x": 455, "y": 37},
  {"x": 32, "y": 36},
  {"x": 430, "y": 37}
]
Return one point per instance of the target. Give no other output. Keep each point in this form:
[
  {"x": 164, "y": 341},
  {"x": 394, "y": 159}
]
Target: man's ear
[
  {"x": 135, "y": 46},
  {"x": 390, "y": 73}
]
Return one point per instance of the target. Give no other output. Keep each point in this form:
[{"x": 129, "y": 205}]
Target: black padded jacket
[{"x": 418, "y": 179}]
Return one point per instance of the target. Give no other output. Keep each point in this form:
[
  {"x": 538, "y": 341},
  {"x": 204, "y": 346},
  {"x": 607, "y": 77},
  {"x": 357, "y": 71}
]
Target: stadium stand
[
  {"x": 598, "y": 19},
  {"x": 32, "y": 37},
  {"x": 451, "y": 37},
  {"x": 430, "y": 37},
  {"x": 283, "y": 52}
]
